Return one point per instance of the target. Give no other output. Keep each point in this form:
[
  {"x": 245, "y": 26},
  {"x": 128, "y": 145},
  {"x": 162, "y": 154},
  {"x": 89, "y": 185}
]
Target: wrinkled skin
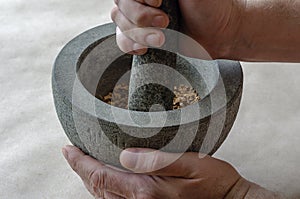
[{"x": 190, "y": 176}]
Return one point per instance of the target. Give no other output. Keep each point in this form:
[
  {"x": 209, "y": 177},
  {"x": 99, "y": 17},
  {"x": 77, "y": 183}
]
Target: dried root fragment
[{"x": 184, "y": 96}]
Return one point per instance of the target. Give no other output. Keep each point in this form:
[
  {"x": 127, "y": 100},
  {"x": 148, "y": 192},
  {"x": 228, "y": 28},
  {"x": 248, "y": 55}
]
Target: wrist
[
  {"x": 244, "y": 189},
  {"x": 232, "y": 32},
  {"x": 239, "y": 189},
  {"x": 267, "y": 31}
]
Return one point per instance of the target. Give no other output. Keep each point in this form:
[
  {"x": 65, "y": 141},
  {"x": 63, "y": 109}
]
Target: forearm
[
  {"x": 244, "y": 189},
  {"x": 269, "y": 31}
]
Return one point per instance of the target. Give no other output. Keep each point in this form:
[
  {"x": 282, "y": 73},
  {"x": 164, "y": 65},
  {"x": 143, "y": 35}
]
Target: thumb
[{"x": 155, "y": 162}]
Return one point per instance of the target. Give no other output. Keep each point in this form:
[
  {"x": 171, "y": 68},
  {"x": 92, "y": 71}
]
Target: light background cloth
[{"x": 263, "y": 145}]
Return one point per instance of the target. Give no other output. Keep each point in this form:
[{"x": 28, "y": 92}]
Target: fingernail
[
  {"x": 65, "y": 152},
  {"x": 159, "y": 21},
  {"x": 153, "y": 40},
  {"x": 153, "y": 3},
  {"x": 129, "y": 159}
]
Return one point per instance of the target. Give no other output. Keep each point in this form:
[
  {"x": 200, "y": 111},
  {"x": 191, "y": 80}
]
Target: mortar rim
[{"x": 72, "y": 53}]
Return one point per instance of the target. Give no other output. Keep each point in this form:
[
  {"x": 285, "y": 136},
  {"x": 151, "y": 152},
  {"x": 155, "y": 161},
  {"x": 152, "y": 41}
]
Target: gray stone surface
[
  {"x": 102, "y": 131},
  {"x": 263, "y": 143}
]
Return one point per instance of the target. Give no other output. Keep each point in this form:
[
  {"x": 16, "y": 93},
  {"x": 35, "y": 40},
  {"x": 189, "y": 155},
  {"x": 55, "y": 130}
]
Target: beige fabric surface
[{"x": 263, "y": 145}]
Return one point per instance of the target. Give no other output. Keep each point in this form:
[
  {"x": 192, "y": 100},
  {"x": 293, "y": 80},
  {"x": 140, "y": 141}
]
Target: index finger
[{"x": 152, "y": 3}]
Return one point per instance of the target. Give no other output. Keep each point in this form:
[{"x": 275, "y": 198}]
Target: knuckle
[
  {"x": 125, "y": 44},
  {"x": 156, "y": 161},
  {"x": 114, "y": 13},
  {"x": 122, "y": 43},
  {"x": 98, "y": 178},
  {"x": 141, "y": 18},
  {"x": 132, "y": 34}
]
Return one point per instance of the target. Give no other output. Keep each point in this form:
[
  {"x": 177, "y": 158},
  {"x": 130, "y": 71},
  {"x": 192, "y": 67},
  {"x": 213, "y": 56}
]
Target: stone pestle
[{"x": 149, "y": 84}]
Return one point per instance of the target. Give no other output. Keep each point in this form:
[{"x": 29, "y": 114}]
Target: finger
[
  {"x": 98, "y": 176},
  {"x": 129, "y": 46},
  {"x": 82, "y": 164},
  {"x": 144, "y": 36},
  {"x": 154, "y": 162},
  {"x": 142, "y": 15},
  {"x": 153, "y": 3}
]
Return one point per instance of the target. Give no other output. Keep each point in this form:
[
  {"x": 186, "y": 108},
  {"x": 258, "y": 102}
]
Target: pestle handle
[
  {"x": 143, "y": 95},
  {"x": 171, "y": 8}
]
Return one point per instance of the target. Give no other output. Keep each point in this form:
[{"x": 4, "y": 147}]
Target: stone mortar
[{"x": 92, "y": 64}]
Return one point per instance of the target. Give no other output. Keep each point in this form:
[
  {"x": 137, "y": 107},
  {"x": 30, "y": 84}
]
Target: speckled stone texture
[
  {"x": 143, "y": 96},
  {"x": 86, "y": 66}
]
